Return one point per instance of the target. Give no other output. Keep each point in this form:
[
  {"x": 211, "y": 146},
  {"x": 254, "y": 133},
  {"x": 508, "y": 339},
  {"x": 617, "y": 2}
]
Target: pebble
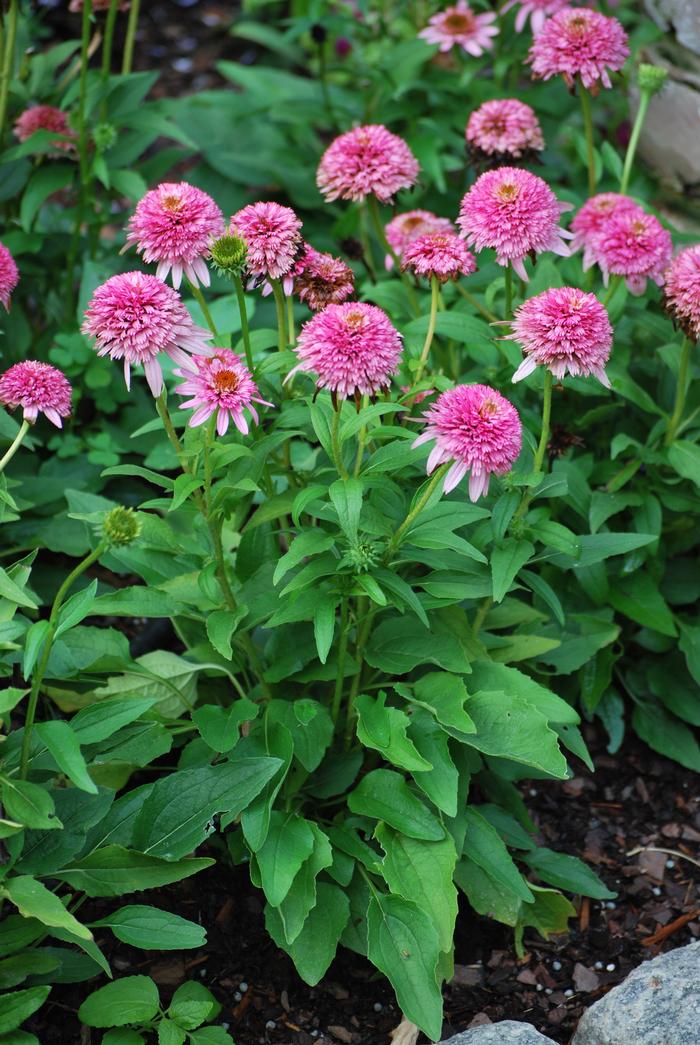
[
  {"x": 610, "y": 967},
  {"x": 378, "y": 1006},
  {"x": 670, "y": 863},
  {"x": 556, "y": 965},
  {"x": 598, "y": 965},
  {"x": 568, "y": 993},
  {"x": 270, "y": 1025},
  {"x": 611, "y": 905},
  {"x": 656, "y": 891},
  {"x": 243, "y": 987},
  {"x": 237, "y": 996}
]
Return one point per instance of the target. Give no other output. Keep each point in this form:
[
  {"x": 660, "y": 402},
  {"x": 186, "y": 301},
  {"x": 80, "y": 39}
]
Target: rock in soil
[
  {"x": 509, "y": 1032},
  {"x": 658, "y": 1004}
]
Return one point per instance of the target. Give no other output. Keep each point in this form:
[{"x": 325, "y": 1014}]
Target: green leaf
[
  {"x": 443, "y": 695},
  {"x": 484, "y": 845},
  {"x": 509, "y": 727},
  {"x": 13, "y": 593},
  {"x": 487, "y": 895},
  {"x": 192, "y": 1004},
  {"x": 153, "y": 929},
  {"x": 637, "y": 596},
  {"x": 310, "y": 725},
  {"x": 184, "y": 487},
  {"x": 44, "y": 182},
  {"x": 132, "y": 999},
  {"x": 689, "y": 645},
  {"x": 221, "y": 625},
  {"x": 33, "y": 900},
  {"x": 440, "y": 783},
  {"x": 76, "y": 609},
  {"x": 123, "y": 1036},
  {"x": 384, "y": 729},
  {"x": 596, "y": 547},
  {"x": 567, "y": 872},
  {"x": 210, "y": 1036},
  {"x": 684, "y": 458},
  {"x": 33, "y": 643},
  {"x": 308, "y": 543},
  {"x": 314, "y": 948},
  {"x": 346, "y": 495},
  {"x": 507, "y": 559},
  {"x": 398, "y": 646},
  {"x": 324, "y": 626},
  {"x": 385, "y": 795},
  {"x": 100, "y": 721},
  {"x": 10, "y": 698},
  {"x": 403, "y": 944},
  {"x": 549, "y": 913},
  {"x": 302, "y": 895},
  {"x": 220, "y": 727},
  {"x": 290, "y": 841},
  {"x": 138, "y": 601},
  {"x": 488, "y": 675},
  {"x": 17, "y": 1006},
  {"x": 65, "y": 751},
  {"x": 114, "y": 870},
  {"x": 169, "y": 1033},
  {"x": 667, "y": 735},
  {"x": 29, "y": 804}
]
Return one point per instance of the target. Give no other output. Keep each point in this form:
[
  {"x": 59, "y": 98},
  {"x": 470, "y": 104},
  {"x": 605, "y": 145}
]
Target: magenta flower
[
  {"x": 592, "y": 218},
  {"x": 44, "y": 118},
  {"x": 477, "y": 429},
  {"x": 405, "y": 228},
  {"x": 682, "y": 291},
  {"x": 514, "y": 213},
  {"x": 441, "y": 254},
  {"x": 459, "y": 26},
  {"x": 272, "y": 234},
  {"x": 367, "y": 161},
  {"x": 221, "y": 384},
  {"x": 135, "y": 317},
  {"x": 9, "y": 276},
  {"x": 174, "y": 225},
  {"x": 37, "y": 388},
  {"x": 320, "y": 279},
  {"x": 353, "y": 348},
  {"x": 579, "y": 42},
  {"x": 634, "y": 245},
  {"x": 536, "y": 10},
  {"x": 504, "y": 127},
  {"x": 565, "y": 330}
]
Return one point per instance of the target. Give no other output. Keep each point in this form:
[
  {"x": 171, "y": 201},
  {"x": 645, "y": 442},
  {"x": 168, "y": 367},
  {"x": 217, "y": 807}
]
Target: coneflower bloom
[
  {"x": 173, "y": 225},
  {"x": 273, "y": 236},
  {"x": 478, "y": 429},
  {"x": 565, "y": 330},
  {"x": 135, "y": 317},
  {"x": 441, "y": 254},
  {"x": 505, "y": 128},
  {"x": 682, "y": 291},
  {"x": 536, "y": 10},
  {"x": 37, "y": 388},
  {"x": 9, "y": 276},
  {"x": 514, "y": 213},
  {"x": 591, "y": 219},
  {"x": 44, "y": 118},
  {"x": 459, "y": 26},
  {"x": 579, "y": 42},
  {"x": 320, "y": 279},
  {"x": 636, "y": 246},
  {"x": 353, "y": 348},
  {"x": 366, "y": 161},
  {"x": 405, "y": 228},
  {"x": 221, "y": 384}
]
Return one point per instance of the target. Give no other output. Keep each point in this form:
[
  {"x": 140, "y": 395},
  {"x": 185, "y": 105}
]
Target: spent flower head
[
  {"x": 120, "y": 526},
  {"x": 320, "y": 279},
  {"x": 45, "y": 118},
  {"x": 366, "y": 161},
  {"x": 410, "y": 226},
  {"x": 682, "y": 291},
  {"x": 37, "y": 388}
]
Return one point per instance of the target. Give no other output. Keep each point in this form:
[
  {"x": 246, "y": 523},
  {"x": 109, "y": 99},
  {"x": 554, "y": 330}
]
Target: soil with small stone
[{"x": 635, "y": 799}]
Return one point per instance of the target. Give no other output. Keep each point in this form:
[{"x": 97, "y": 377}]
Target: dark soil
[{"x": 635, "y": 799}]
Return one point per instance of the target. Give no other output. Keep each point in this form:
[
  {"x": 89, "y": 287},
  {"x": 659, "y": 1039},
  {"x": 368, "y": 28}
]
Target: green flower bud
[
  {"x": 363, "y": 556},
  {"x": 651, "y": 78},
  {"x": 104, "y": 136},
  {"x": 120, "y": 526},
  {"x": 229, "y": 255}
]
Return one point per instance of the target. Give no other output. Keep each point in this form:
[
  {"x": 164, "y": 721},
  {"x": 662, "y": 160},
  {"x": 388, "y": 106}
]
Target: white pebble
[
  {"x": 378, "y": 1006},
  {"x": 598, "y": 965},
  {"x": 670, "y": 863},
  {"x": 540, "y": 987},
  {"x": 202, "y": 973},
  {"x": 611, "y": 905},
  {"x": 556, "y": 965},
  {"x": 270, "y": 1025},
  {"x": 243, "y": 987},
  {"x": 548, "y": 990},
  {"x": 533, "y": 791},
  {"x": 568, "y": 993},
  {"x": 237, "y": 996},
  {"x": 610, "y": 967},
  {"x": 656, "y": 891}
]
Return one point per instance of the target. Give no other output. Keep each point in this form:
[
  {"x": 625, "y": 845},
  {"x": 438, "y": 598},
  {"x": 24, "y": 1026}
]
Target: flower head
[
  {"x": 37, "y": 388},
  {"x": 220, "y": 384},
  {"x": 9, "y": 276},
  {"x": 536, "y": 10},
  {"x": 353, "y": 348},
  {"x": 682, "y": 291},
  {"x": 565, "y": 330},
  {"x": 272, "y": 233},
  {"x": 440, "y": 254},
  {"x": 515, "y": 213},
  {"x": 44, "y": 118},
  {"x": 121, "y": 526},
  {"x": 405, "y": 228},
  {"x": 504, "y": 127},
  {"x": 174, "y": 225},
  {"x": 478, "y": 429},
  {"x": 459, "y": 26},
  {"x": 634, "y": 245},
  {"x": 367, "y": 161},
  {"x": 320, "y": 279},
  {"x": 579, "y": 42},
  {"x": 135, "y": 317},
  {"x": 229, "y": 255},
  {"x": 592, "y": 218}
]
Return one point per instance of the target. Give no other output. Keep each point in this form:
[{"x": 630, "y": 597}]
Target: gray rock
[
  {"x": 658, "y": 1004},
  {"x": 509, "y": 1032}
]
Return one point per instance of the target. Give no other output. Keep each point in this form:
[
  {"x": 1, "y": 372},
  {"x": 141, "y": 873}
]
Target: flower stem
[
  {"x": 375, "y": 216},
  {"x": 208, "y": 318},
  {"x": 612, "y": 287},
  {"x": 588, "y": 128},
  {"x": 681, "y": 390},
  {"x": 395, "y": 541},
  {"x": 365, "y": 241},
  {"x": 335, "y": 442},
  {"x": 131, "y": 27},
  {"x": 489, "y": 316},
  {"x": 16, "y": 443},
  {"x": 83, "y": 155},
  {"x": 362, "y": 638},
  {"x": 342, "y": 653},
  {"x": 281, "y": 321},
  {"x": 245, "y": 329},
  {"x": 291, "y": 334},
  {"x": 361, "y": 441},
  {"x": 508, "y": 310},
  {"x": 644, "y": 99},
  {"x": 434, "y": 299},
  {"x": 544, "y": 440},
  {"x": 107, "y": 43},
  {"x": 8, "y": 62},
  {"x": 38, "y": 674}
]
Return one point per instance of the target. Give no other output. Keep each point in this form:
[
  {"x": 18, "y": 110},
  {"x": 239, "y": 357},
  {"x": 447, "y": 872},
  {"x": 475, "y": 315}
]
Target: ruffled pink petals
[
  {"x": 682, "y": 291},
  {"x": 220, "y": 383},
  {"x": 37, "y": 388},
  {"x": 504, "y": 127},
  {"x": 459, "y": 26},
  {"x": 442, "y": 255},
  {"x": 579, "y": 42},
  {"x": 366, "y": 161},
  {"x": 9, "y": 276},
  {"x": 273, "y": 237}
]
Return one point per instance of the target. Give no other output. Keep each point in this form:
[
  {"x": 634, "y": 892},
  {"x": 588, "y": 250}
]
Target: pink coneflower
[
  {"x": 367, "y": 161},
  {"x": 272, "y": 233},
  {"x": 477, "y": 429},
  {"x": 592, "y": 218},
  {"x": 579, "y": 42},
  {"x": 634, "y": 245},
  {"x": 135, "y": 317},
  {"x": 515, "y": 213},
  {"x": 222, "y": 384},
  {"x": 536, "y": 10},
  {"x": 441, "y": 254},
  {"x": 405, "y": 228},
  {"x": 9, "y": 276},
  {"x": 459, "y": 26},
  {"x": 37, "y": 388},
  {"x": 504, "y": 127},
  {"x": 174, "y": 224},
  {"x": 320, "y": 279},
  {"x": 565, "y": 330},
  {"x": 354, "y": 349},
  {"x": 44, "y": 118},
  {"x": 682, "y": 291}
]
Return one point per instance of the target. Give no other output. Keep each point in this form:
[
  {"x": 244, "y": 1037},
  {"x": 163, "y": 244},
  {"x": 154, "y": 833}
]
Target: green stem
[
  {"x": 544, "y": 440},
  {"x": 644, "y": 99},
  {"x": 376, "y": 219},
  {"x": 342, "y": 653},
  {"x": 362, "y": 639},
  {"x": 38, "y": 674},
  {"x": 8, "y": 61},
  {"x": 366, "y": 243},
  {"x": 489, "y": 316},
  {"x": 245, "y": 329},
  {"x": 395, "y": 541},
  {"x": 612, "y": 287},
  {"x": 588, "y": 129},
  {"x": 434, "y": 299},
  {"x": 16, "y": 443},
  {"x": 291, "y": 333},
  {"x": 107, "y": 44},
  {"x": 480, "y": 615},
  {"x": 279, "y": 295},
  {"x": 164, "y": 414},
  {"x": 335, "y": 443},
  {"x": 130, "y": 37},
  {"x": 361, "y": 441},
  {"x": 508, "y": 309},
  {"x": 681, "y": 391},
  {"x": 83, "y": 156},
  {"x": 208, "y": 318}
]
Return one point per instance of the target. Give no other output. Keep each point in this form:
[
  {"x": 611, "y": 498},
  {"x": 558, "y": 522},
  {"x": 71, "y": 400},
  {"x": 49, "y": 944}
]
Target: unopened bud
[
  {"x": 104, "y": 136},
  {"x": 229, "y": 254},
  {"x": 651, "y": 78},
  {"x": 120, "y": 526}
]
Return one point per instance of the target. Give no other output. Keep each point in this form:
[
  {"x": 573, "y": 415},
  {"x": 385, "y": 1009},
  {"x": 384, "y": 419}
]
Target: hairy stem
[
  {"x": 16, "y": 443},
  {"x": 279, "y": 296},
  {"x": 132, "y": 24},
  {"x": 508, "y": 307}
]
